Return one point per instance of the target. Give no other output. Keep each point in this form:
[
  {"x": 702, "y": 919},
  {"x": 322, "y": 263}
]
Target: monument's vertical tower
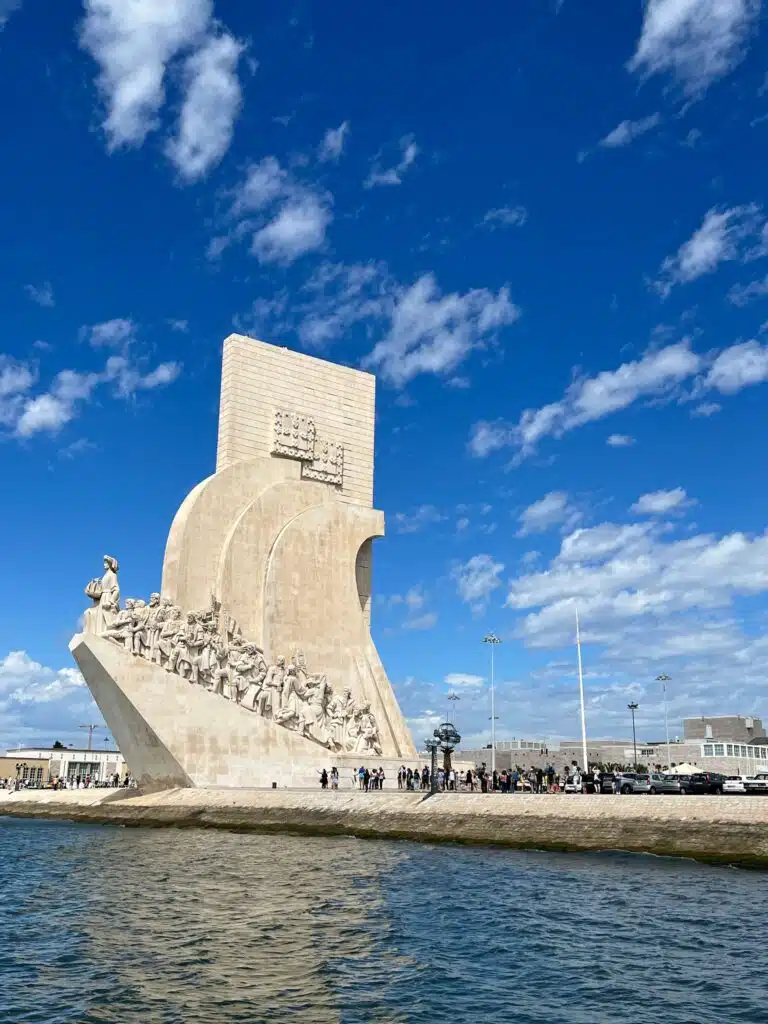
[{"x": 281, "y": 535}]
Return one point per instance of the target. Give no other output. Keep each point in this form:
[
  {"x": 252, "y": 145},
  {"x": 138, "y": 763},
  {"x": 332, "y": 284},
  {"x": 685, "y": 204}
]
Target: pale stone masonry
[
  {"x": 731, "y": 830},
  {"x": 259, "y": 380},
  {"x": 269, "y": 672}
]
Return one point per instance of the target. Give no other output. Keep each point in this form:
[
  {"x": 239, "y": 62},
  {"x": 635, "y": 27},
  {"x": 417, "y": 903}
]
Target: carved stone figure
[
  {"x": 120, "y": 630},
  {"x": 271, "y": 694},
  {"x": 105, "y": 594},
  {"x": 200, "y": 650}
]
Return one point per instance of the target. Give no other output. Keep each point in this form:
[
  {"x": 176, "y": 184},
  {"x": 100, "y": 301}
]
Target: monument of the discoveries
[{"x": 254, "y": 663}]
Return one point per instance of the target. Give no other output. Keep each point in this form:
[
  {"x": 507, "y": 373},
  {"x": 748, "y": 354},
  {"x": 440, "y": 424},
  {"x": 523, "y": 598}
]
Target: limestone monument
[{"x": 254, "y": 663}]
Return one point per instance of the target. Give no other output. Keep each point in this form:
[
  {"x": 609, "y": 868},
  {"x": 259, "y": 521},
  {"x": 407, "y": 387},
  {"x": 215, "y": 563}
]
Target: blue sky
[{"x": 544, "y": 225}]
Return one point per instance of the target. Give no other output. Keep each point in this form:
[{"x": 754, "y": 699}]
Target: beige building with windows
[{"x": 39, "y": 765}]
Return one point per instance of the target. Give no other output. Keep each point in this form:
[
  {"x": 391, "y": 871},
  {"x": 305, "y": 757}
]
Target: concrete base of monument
[
  {"x": 730, "y": 830},
  {"x": 174, "y": 733}
]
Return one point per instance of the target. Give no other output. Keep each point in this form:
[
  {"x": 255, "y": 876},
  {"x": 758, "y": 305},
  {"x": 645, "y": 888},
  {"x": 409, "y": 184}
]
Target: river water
[{"x": 100, "y": 923}]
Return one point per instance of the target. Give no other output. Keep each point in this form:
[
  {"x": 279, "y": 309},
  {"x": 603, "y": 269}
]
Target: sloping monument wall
[{"x": 274, "y": 674}]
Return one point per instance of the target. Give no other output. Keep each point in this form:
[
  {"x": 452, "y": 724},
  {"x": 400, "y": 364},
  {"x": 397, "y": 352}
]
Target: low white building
[{"x": 39, "y": 764}]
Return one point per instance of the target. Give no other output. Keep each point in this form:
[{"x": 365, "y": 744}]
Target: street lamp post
[
  {"x": 452, "y": 697},
  {"x": 633, "y": 706},
  {"x": 664, "y": 679},
  {"x": 493, "y": 640}
]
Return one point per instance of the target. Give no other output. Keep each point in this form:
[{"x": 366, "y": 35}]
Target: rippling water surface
[{"x": 142, "y": 925}]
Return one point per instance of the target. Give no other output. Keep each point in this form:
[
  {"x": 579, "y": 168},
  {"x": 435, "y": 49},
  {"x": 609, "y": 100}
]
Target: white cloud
[
  {"x": 658, "y": 374},
  {"x": 16, "y": 379},
  {"x": 134, "y": 41},
  {"x": 426, "y": 621},
  {"x": 461, "y": 679},
  {"x": 298, "y": 228},
  {"x": 50, "y": 411},
  {"x": 394, "y": 175},
  {"x": 620, "y": 440},
  {"x": 332, "y": 146},
  {"x": 649, "y": 604},
  {"x": 627, "y": 131},
  {"x": 590, "y": 398},
  {"x": 434, "y": 333},
  {"x": 694, "y": 41},
  {"x": 706, "y": 409},
  {"x": 741, "y": 294},
  {"x": 128, "y": 379},
  {"x": 553, "y": 509},
  {"x": 41, "y": 294},
  {"x": 476, "y": 580},
  {"x": 7, "y": 7},
  {"x": 420, "y": 330},
  {"x": 413, "y": 522},
  {"x": 211, "y": 104},
  {"x": 110, "y": 334},
  {"x": 292, "y": 217},
  {"x": 29, "y": 682},
  {"x": 738, "y": 367},
  {"x": 659, "y": 503},
  {"x": 721, "y": 238},
  {"x": 506, "y": 216}
]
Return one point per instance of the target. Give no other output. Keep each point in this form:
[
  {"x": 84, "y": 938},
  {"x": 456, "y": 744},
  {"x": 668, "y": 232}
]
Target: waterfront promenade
[{"x": 717, "y": 829}]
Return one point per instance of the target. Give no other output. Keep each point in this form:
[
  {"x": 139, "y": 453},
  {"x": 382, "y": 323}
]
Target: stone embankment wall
[{"x": 730, "y": 830}]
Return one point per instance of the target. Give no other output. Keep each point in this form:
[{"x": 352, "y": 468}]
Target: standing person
[
  {"x": 401, "y": 777},
  {"x": 515, "y": 779},
  {"x": 408, "y": 779},
  {"x": 452, "y": 780},
  {"x": 324, "y": 779},
  {"x": 382, "y": 777},
  {"x": 483, "y": 782},
  {"x": 361, "y": 777},
  {"x": 366, "y": 779},
  {"x": 470, "y": 780},
  {"x": 334, "y": 778}
]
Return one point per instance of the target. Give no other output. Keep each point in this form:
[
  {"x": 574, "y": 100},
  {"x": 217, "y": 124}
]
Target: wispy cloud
[
  {"x": 724, "y": 235},
  {"x": 41, "y": 294},
  {"x": 136, "y": 45},
  {"x": 211, "y": 104},
  {"x": 659, "y": 374},
  {"x": 661, "y": 503},
  {"x": 554, "y": 509},
  {"x": 506, "y": 216},
  {"x": 394, "y": 175},
  {"x": 284, "y": 218},
  {"x": 477, "y": 579},
  {"x": 619, "y": 440},
  {"x": 627, "y": 131},
  {"x": 696, "y": 42},
  {"x": 332, "y": 146}
]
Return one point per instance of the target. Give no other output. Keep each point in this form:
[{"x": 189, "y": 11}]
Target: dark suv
[{"x": 702, "y": 782}]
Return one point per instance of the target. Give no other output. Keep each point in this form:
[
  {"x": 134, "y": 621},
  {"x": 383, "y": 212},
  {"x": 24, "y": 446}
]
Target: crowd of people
[
  {"x": 479, "y": 779},
  {"x": 73, "y": 782}
]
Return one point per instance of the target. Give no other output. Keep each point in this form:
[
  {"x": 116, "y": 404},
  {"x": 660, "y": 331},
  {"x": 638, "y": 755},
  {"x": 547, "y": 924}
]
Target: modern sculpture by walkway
[{"x": 254, "y": 662}]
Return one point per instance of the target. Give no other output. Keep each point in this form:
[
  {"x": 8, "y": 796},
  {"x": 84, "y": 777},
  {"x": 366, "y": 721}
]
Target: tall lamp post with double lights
[
  {"x": 633, "y": 708},
  {"x": 493, "y": 640},
  {"x": 664, "y": 679}
]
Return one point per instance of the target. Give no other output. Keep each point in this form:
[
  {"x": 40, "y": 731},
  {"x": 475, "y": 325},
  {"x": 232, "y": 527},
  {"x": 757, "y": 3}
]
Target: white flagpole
[{"x": 581, "y": 694}]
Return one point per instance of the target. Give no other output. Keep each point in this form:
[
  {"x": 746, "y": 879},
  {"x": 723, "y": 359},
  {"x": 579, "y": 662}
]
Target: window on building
[
  {"x": 719, "y": 749},
  {"x": 84, "y": 769},
  {"x": 32, "y": 776},
  {"x": 743, "y": 750},
  {"x": 730, "y": 750},
  {"x": 707, "y": 750},
  {"x": 708, "y": 731}
]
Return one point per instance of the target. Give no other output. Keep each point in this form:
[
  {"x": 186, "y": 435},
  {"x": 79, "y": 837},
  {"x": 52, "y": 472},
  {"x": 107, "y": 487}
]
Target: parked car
[
  {"x": 633, "y": 782},
  {"x": 735, "y": 784},
  {"x": 758, "y": 784},
  {"x": 605, "y": 782},
  {"x": 664, "y": 783},
  {"x": 702, "y": 782}
]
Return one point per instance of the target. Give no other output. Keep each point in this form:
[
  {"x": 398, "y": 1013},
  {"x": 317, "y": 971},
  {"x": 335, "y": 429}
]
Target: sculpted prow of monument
[{"x": 254, "y": 663}]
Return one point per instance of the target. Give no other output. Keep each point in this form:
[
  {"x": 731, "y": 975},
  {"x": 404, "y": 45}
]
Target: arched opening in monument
[{"x": 363, "y": 573}]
